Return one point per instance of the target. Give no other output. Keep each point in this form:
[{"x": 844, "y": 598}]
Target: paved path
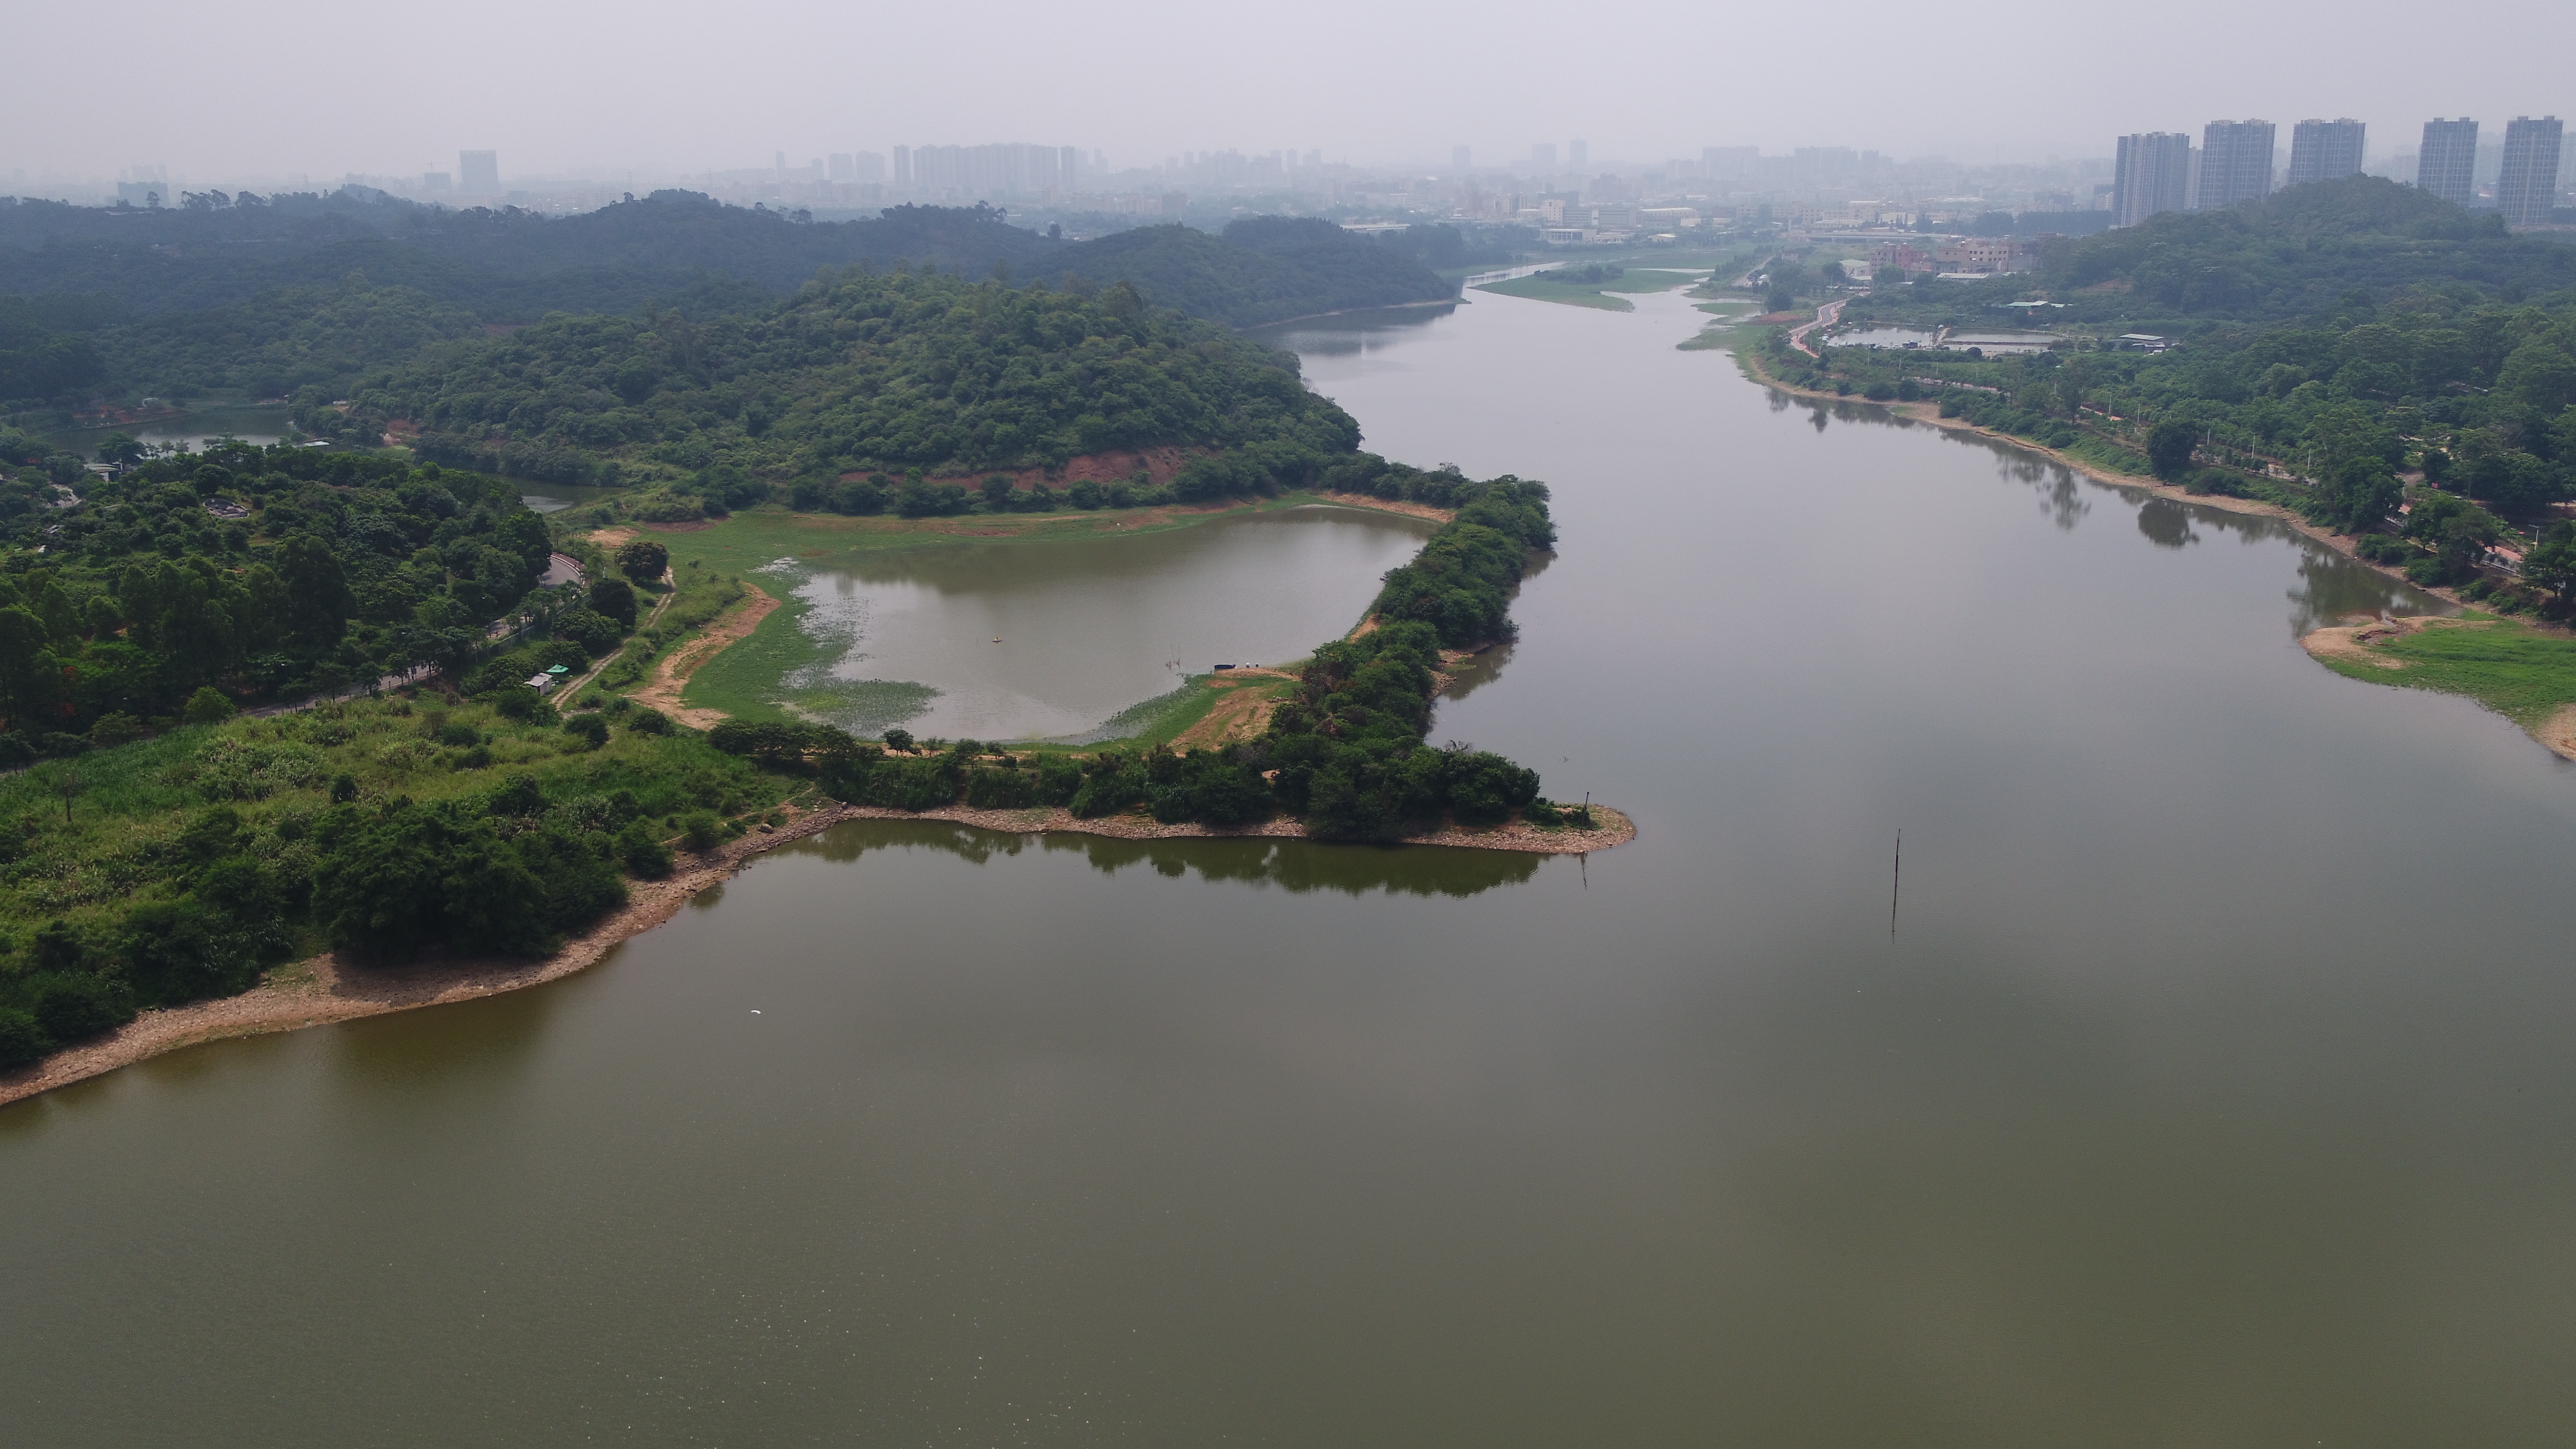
[
  {"x": 1825, "y": 316},
  {"x": 572, "y": 687}
]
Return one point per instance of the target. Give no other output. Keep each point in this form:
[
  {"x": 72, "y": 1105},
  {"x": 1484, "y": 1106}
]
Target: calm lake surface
[
  {"x": 1016, "y": 641},
  {"x": 2214, "y": 1086}
]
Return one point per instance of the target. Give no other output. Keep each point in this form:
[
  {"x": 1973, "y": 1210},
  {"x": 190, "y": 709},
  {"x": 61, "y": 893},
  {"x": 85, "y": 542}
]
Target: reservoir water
[{"x": 2211, "y": 1083}]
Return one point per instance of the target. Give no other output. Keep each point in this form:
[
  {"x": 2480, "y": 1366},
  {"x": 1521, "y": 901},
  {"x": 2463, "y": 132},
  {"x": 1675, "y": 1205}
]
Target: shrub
[
  {"x": 1012, "y": 789},
  {"x": 899, "y": 740},
  {"x": 22, "y": 1042},
  {"x": 648, "y": 721},
  {"x": 1880, "y": 392},
  {"x": 669, "y": 508},
  {"x": 588, "y": 727},
  {"x": 208, "y": 705},
  {"x": 646, "y": 858},
  {"x": 912, "y": 784},
  {"x": 72, "y": 1008},
  {"x": 113, "y": 729},
  {"x": 518, "y": 702},
  {"x": 702, "y": 829}
]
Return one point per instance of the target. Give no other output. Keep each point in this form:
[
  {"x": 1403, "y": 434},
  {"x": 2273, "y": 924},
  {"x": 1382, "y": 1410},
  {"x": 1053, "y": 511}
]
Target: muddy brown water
[{"x": 2213, "y": 1088}]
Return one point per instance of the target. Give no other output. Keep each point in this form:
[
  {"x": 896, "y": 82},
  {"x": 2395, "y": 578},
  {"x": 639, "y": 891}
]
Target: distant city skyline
[{"x": 565, "y": 89}]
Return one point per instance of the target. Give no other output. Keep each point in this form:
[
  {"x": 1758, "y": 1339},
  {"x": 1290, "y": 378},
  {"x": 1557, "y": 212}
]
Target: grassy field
[
  {"x": 2508, "y": 666},
  {"x": 1593, "y": 294},
  {"x": 1725, "y": 324}
]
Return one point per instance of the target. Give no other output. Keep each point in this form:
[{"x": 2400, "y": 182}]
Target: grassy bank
[
  {"x": 1572, "y": 287},
  {"x": 2516, "y": 670}
]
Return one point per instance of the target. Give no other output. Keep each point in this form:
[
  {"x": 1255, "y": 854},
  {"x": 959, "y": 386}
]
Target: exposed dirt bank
[{"x": 671, "y": 672}]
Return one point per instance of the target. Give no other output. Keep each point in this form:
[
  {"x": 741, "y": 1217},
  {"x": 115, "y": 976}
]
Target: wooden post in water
[{"x": 1894, "y": 881}]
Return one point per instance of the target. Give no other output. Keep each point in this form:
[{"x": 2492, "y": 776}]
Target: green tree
[
  {"x": 613, "y": 598},
  {"x": 2169, "y": 447},
  {"x": 643, "y": 560},
  {"x": 318, "y": 601},
  {"x": 29, "y": 678}
]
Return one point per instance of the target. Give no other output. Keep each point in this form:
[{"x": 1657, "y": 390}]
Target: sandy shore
[{"x": 323, "y": 990}]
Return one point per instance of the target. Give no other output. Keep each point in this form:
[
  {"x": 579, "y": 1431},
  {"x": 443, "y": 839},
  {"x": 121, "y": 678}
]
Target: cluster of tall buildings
[
  {"x": 2158, "y": 171},
  {"x": 1007, "y": 169}
]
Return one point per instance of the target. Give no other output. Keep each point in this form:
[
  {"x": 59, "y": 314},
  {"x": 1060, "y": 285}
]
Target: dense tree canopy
[
  {"x": 864, "y": 370},
  {"x": 267, "y": 295}
]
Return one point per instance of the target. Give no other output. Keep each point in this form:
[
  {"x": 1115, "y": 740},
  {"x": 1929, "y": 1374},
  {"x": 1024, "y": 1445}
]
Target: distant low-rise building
[{"x": 1982, "y": 256}]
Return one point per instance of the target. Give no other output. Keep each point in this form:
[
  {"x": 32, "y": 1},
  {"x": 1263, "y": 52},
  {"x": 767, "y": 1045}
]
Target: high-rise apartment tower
[
  {"x": 478, "y": 173},
  {"x": 2151, "y": 174},
  {"x": 2235, "y": 163},
  {"x": 2448, "y": 164},
  {"x": 2527, "y": 189},
  {"x": 2324, "y": 150}
]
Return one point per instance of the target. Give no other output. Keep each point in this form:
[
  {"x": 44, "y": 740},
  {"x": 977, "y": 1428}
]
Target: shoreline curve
[{"x": 320, "y": 991}]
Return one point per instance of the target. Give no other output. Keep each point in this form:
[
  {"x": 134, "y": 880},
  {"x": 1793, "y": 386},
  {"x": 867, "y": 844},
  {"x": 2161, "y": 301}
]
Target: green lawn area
[
  {"x": 2510, "y": 667},
  {"x": 1720, "y": 331},
  {"x": 1593, "y": 294},
  {"x": 1581, "y": 295}
]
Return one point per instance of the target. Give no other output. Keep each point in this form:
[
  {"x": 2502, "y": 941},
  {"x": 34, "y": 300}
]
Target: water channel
[{"x": 2210, "y": 1083}]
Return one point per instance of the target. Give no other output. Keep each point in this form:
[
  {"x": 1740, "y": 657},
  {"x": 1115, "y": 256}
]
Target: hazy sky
[{"x": 296, "y": 86}]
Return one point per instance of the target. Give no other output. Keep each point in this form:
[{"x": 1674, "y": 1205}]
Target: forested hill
[
  {"x": 866, "y": 371},
  {"x": 1263, "y": 269},
  {"x": 2296, "y": 253},
  {"x": 517, "y": 266},
  {"x": 304, "y": 292}
]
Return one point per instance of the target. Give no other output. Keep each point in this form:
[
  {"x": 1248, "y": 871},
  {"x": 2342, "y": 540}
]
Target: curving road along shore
[
  {"x": 1826, "y": 316},
  {"x": 322, "y": 990}
]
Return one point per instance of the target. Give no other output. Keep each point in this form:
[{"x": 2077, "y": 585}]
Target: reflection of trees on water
[
  {"x": 1348, "y": 334},
  {"x": 1293, "y": 865},
  {"x": 2166, "y": 525},
  {"x": 1474, "y": 674},
  {"x": 2332, "y": 586}
]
